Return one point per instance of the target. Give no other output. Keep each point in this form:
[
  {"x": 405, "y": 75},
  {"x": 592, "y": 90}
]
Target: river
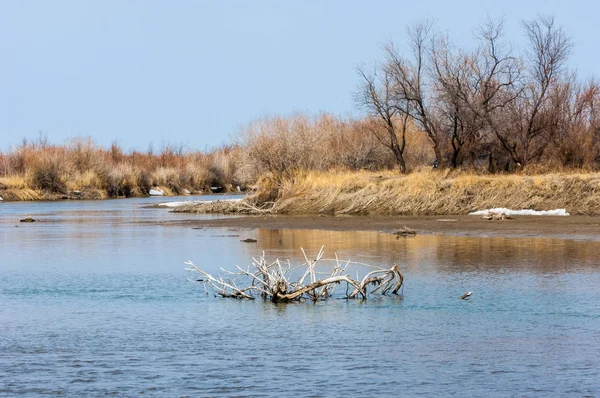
[{"x": 94, "y": 300}]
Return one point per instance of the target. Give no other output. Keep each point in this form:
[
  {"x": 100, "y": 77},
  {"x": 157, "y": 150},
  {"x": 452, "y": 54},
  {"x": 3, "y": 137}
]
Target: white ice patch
[
  {"x": 156, "y": 192},
  {"x": 177, "y": 204},
  {"x": 193, "y": 202},
  {"x": 523, "y": 212}
]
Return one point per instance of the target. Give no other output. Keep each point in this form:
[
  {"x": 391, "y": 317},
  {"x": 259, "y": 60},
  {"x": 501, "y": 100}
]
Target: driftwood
[
  {"x": 405, "y": 231},
  {"x": 497, "y": 216},
  {"x": 274, "y": 281},
  {"x": 226, "y": 207}
]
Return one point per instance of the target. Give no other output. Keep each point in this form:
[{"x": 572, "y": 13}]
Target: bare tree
[
  {"x": 576, "y": 106},
  {"x": 453, "y": 74},
  {"x": 411, "y": 92},
  {"x": 588, "y": 100},
  {"x": 524, "y": 129},
  {"x": 494, "y": 86},
  {"x": 549, "y": 48},
  {"x": 376, "y": 97}
]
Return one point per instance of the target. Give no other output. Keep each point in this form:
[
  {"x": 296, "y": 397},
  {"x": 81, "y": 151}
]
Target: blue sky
[{"x": 193, "y": 72}]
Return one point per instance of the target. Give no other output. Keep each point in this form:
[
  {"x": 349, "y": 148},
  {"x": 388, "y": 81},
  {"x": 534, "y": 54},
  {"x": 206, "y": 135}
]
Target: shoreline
[
  {"x": 424, "y": 193},
  {"x": 570, "y": 227},
  {"x": 386, "y": 193},
  {"x": 32, "y": 195},
  {"x": 35, "y": 195}
]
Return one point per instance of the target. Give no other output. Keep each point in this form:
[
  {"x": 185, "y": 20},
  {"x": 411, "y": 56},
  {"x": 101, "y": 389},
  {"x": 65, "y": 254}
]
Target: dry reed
[
  {"x": 81, "y": 169},
  {"x": 433, "y": 192}
]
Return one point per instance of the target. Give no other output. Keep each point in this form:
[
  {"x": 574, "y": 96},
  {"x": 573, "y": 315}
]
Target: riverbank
[
  {"x": 420, "y": 193},
  {"x": 29, "y": 194}
]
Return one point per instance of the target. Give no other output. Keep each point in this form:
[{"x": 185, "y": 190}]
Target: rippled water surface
[{"x": 94, "y": 300}]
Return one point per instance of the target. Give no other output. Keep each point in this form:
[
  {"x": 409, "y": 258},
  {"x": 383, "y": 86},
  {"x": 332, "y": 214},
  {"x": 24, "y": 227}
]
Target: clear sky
[{"x": 193, "y": 72}]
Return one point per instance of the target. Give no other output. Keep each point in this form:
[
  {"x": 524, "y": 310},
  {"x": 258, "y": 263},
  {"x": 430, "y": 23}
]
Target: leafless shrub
[
  {"x": 283, "y": 146},
  {"x": 47, "y": 175}
]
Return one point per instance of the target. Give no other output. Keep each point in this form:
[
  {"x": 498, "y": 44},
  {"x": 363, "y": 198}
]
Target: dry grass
[
  {"x": 432, "y": 192},
  {"x": 81, "y": 169},
  {"x": 13, "y": 182},
  {"x": 20, "y": 194}
]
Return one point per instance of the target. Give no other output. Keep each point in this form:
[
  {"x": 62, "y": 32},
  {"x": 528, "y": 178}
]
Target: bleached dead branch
[
  {"x": 275, "y": 281},
  {"x": 225, "y": 207}
]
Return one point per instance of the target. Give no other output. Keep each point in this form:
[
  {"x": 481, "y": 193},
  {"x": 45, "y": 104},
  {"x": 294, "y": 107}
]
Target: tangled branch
[{"x": 275, "y": 281}]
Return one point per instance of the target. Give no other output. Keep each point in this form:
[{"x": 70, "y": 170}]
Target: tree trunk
[
  {"x": 438, "y": 152},
  {"x": 395, "y": 146},
  {"x": 399, "y": 158},
  {"x": 456, "y": 147},
  {"x": 455, "y": 153}
]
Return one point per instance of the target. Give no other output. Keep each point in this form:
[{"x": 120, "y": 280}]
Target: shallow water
[{"x": 94, "y": 300}]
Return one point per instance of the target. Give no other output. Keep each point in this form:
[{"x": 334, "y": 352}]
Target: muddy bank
[{"x": 573, "y": 227}]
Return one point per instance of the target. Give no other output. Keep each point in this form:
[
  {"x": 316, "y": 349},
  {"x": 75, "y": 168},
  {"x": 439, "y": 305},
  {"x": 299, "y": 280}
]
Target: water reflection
[
  {"x": 441, "y": 253},
  {"x": 95, "y": 301}
]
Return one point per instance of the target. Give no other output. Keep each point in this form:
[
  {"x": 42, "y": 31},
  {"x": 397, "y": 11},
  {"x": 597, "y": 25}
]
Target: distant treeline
[
  {"x": 81, "y": 165},
  {"x": 488, "y": 109},
  {"x": 489, "y": 106}
]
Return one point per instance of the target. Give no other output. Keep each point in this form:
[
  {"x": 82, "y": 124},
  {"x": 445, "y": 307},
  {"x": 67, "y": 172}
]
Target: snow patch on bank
[
  {"x": 523, "y": 212},
  {"x": 193, "y": 202},
  {"x": 177, "y": 204},
  {"x": 1, "y": 198},
  {"x": 156, "y": 192}
]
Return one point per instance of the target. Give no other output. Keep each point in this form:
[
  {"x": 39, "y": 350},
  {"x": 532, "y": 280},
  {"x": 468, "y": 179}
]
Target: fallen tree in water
[{"x": 275, "y": 280}]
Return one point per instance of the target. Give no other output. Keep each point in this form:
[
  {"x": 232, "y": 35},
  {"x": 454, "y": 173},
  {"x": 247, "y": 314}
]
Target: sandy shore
[{"x": 570, "y": 227}]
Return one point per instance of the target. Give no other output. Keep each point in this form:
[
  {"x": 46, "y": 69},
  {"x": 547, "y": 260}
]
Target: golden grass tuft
[
  {"x": 13, "y": 182},
  {"x": 434, "y": 192}
]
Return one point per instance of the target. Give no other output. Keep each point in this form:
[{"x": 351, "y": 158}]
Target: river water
[{"x": 94, "y": 300}]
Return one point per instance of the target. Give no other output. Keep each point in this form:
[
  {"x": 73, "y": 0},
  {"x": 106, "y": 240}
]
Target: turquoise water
[{"x": 94, "y": 300}]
